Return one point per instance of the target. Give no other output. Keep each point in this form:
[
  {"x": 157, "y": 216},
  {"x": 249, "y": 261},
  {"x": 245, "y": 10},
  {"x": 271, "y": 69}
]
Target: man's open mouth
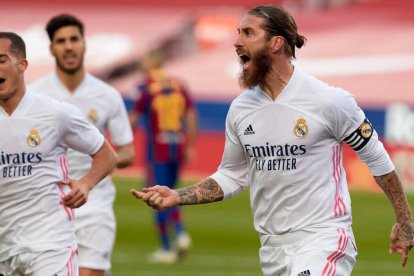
[{"x": 244, "y": 58}]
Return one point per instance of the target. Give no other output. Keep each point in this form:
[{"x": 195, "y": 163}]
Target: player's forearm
[
  {"x": 205, "y": 191},
  {"x": 126, "y": 156},
  {"x": 392, "y": 187},
  {"x": 103, "y": 161}
]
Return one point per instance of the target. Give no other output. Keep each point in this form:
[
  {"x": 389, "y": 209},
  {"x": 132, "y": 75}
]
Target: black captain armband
[{"x": 360, "y": 137}]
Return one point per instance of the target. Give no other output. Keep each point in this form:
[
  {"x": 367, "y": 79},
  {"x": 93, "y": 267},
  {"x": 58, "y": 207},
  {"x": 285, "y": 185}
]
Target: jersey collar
[
  {"x": 290, "y": 90},
  {"x": 22, "y": 107}
]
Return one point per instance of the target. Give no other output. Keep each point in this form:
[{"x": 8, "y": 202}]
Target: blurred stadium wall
[{"x": 365, "y": 47}]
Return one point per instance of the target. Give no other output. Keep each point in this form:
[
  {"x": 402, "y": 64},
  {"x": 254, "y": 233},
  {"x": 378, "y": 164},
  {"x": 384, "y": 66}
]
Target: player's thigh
[
  {"x": 54, "y": 262},
  {"x": 327, "y": 255},
  {"x": 95, "y": 244},
  {"x": 166, "y": 174},
  {"x": 274, "y": 260},
  {"x": 150, "y": 174}
]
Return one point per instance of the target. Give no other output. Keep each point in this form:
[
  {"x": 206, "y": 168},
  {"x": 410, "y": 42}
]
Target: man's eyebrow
[{"x": 244, "y": 29}]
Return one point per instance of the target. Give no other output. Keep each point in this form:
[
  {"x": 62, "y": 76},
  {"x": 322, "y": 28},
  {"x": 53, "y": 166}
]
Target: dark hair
[
  {"x": 280, "y": 22},
  {"x": 17, "y": 44},
  {"x": 62, "y": 20}
]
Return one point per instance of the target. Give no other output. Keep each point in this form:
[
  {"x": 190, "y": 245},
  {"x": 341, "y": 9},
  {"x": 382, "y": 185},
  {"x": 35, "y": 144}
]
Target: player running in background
[
  {"x": 37, "y": 235},
  {"x": 171, "y": 126},
  {"x": 103, "y": 106},
  {"x": 284, "y": 138}
]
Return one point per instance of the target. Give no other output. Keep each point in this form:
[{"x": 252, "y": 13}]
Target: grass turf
[{"x": 225, "y": 243}]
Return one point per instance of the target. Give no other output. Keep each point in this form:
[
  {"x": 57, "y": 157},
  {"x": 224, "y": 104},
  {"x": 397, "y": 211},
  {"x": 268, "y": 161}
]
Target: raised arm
[
  {"x": 402, "y": 234},
  {"x": 162, "y": 197}
]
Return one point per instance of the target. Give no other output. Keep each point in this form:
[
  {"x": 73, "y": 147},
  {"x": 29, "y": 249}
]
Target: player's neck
[
  {"x": 277, "y": 79},
  {"x": 71, "y": 81},
  {"x": 10, "y": 104}
]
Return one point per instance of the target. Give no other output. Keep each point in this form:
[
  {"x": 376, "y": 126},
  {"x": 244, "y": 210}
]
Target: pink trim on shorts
[
  {"x": 339, "y": 207},
  {"x": 65, "y": 172},
  {"x": 330, "y": 267},
  {"x": 71, "y": 266}
]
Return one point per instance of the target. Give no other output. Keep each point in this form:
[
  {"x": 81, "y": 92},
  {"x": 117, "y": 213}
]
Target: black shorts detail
[{"x": 360, "y": 137}]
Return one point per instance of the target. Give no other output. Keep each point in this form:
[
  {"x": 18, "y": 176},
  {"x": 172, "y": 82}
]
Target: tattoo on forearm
[
  {"x": 392, "y": 187},
  {"x": 204, "y": 191},
  {"x": 406, "y": 232},
  {"x": 188, "y": 195}
]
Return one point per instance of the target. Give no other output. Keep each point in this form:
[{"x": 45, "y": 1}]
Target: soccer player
[
  {"x": 284, "y": 138},
  {"x": 37, "y": 235},
  {"x": 104, "y": 108},
  {"x": 171, "y": 125}
]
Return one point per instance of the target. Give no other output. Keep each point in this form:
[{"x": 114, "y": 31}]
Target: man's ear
[
  {"x": 23, "y": 63},
  {"x": 52, "y": 52},
  {"x": 277, "y": 43}
]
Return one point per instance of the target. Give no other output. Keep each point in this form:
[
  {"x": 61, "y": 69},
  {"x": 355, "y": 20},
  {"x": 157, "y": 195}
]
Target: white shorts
[
  {"x": 95, "y": 243},
  {"x": 46, "y": 263},
  {"x": 329, "y": 253}
]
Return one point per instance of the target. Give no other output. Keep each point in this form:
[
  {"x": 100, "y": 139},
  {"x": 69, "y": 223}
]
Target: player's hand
[
  {"x": 402, "y": 240},
  {"x": 78, "y": 194},
  {"x": 158, "y": 197}
]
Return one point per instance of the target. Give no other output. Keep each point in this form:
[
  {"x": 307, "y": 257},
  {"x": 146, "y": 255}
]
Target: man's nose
[{"x": 237, "y": 43}]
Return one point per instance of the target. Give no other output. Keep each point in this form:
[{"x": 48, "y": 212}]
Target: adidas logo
[
  {"x": 305, "y": 273},
  {"x": 249, "y": 130}
]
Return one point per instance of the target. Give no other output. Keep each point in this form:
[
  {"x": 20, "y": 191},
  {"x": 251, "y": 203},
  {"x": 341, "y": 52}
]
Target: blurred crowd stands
[{"x": 365, "y": 46}]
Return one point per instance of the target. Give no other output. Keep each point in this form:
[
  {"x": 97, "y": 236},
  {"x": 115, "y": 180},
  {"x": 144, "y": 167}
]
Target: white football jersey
[
  {"x": 290, "y": 153},
  {"x": 103, "y": 106},
  {"x": 33, "y": 145}
]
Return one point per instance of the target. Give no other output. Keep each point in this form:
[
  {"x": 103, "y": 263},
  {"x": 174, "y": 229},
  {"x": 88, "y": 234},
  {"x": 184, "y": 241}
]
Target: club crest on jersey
[
  {"x": 301, "y": 129},
  {"x": 33, "y": 139},
  {"x": 366, "y": 129},
  {"x": 93, "y": 116}
]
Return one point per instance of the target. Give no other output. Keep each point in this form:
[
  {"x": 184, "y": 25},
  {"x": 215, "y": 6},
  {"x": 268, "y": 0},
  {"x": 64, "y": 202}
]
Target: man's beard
[
  {"x": 260, "y": 65},
  {"x": 69, "y": 71}
]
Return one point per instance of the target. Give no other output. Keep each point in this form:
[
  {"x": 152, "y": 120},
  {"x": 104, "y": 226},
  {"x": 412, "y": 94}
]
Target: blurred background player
[
  {"x": 37, "y": 235},
  {"x": 171, "y": 125},
  {"x": 104, "y": 108}
]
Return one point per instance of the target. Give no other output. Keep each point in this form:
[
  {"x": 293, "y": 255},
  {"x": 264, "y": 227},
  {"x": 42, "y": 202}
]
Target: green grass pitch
[{"x": 225, "y": 243}]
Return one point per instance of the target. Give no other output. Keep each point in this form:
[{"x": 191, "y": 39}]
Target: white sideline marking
[
  {"x": 217, "y": 260},
  {"x": 347, "y": 65},
  {"x": 357, "y": 65}
]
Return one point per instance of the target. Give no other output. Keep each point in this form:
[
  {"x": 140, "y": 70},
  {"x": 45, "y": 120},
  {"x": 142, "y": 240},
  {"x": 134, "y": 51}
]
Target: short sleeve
[
  {"x": 119, "y": 126},
  {"x": 343, "y": 114},
  {"x": 348, "y": 124},
  {"x": 232, "y": 172},
  {"x": 76, "y": 132}
]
